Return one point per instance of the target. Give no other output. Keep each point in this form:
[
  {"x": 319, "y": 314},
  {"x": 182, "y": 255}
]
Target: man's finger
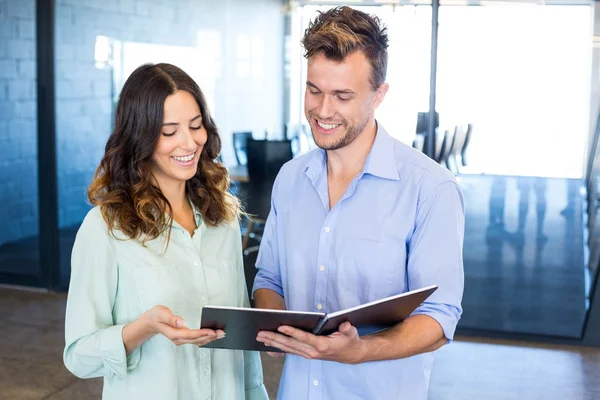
[
  {"x": 285, "y": 343},
  {"x": 289, "y": 350},
  {"x": 299, "y": 335}
]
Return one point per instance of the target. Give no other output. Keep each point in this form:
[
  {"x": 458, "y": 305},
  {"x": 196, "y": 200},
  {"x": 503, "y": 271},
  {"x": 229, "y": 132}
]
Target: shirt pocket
[
  {"x": 371, "y": 269},
  {"x": 223, "y": 282},
  {"x": 159, "y": 285}
]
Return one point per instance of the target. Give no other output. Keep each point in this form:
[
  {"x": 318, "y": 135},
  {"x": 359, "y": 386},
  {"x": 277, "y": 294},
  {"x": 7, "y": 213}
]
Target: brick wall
[
  {"x": 18, "y": 121},
  {"x": 240, "y": 41}
]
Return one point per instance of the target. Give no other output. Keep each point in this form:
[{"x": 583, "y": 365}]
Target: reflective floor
[{"x": 523, "y": 255}]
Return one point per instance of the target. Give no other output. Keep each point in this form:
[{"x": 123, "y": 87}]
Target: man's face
[{"x": 339, "y": 99}]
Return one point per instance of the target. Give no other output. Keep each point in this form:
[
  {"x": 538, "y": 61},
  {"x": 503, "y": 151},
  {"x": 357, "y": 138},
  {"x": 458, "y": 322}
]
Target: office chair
[
  {"x": 240, "y": 140},
  {"x": 463, "y": 151},
  {"x": 265, "y": 159}
]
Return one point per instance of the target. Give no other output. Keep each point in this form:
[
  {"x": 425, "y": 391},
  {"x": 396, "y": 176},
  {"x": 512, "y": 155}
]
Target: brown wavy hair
[
  {"x": 123, "y": 185},
  {"x": 341, "y": 31}
]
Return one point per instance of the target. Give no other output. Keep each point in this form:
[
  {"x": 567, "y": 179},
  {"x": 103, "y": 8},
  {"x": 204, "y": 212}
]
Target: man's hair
[{"x": 341, "y": 31}]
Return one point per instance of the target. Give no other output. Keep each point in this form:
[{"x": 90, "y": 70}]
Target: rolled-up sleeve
[
  {"x": 436, "y": 254},
  {"x": 94, "y": 344},
  {"x": 267, "y": 262}
]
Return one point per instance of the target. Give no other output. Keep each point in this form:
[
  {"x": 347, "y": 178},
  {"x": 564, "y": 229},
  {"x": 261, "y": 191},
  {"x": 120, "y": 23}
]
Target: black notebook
[{"x": 241, "y": 325}]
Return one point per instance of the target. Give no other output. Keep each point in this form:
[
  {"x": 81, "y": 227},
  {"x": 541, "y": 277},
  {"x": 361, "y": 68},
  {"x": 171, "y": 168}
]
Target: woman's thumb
[{"x": 178, "y": 322}]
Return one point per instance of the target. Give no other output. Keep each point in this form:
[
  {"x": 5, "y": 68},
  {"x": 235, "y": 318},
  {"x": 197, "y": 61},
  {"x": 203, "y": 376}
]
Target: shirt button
[
  {"x": 203, "y": 298},
  {"x": 322, "y": 268},
  {"x": 327, "y": 229},
  {"x": 316, "y": 382},
  {"x": 196, "y": 263},
  {"x": 319, "y": 306}
]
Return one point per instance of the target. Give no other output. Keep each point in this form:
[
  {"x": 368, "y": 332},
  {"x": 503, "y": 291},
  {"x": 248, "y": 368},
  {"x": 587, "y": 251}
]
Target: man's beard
[{"x": 352, "y": 132}]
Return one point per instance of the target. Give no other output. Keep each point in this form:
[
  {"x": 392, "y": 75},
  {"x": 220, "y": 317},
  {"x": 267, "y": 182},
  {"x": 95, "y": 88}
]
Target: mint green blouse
[{"x": 114, "y": 280}]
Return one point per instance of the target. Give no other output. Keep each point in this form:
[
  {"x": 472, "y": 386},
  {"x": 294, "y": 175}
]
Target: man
[{"x": 361, "y": 218}]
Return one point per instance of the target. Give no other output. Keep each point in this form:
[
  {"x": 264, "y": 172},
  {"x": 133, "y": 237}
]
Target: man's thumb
[{"x": 345, "y": 328}]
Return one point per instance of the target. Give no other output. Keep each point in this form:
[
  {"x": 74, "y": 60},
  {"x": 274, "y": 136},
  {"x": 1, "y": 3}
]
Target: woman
[{"x": 162, "y": 242}]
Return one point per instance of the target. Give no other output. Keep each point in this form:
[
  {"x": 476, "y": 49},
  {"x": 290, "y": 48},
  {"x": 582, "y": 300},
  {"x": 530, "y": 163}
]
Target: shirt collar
[
  {"x": 197, "y": 217},
  {"x": 380, "y": 162},
  {"x": 316, "y": 164},
  {"x": 197, "y": 214}
]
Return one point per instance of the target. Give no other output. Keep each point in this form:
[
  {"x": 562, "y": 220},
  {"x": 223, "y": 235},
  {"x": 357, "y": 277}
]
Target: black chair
[
  {"x": 423, "y": 121},
  {"x": 444, "y": 150},
  {"x": 265, "y": 159},
  {"x": 463, "y": 151},
  {"x": 240, "y": 141},
  {"x": 422, "y": 129}
]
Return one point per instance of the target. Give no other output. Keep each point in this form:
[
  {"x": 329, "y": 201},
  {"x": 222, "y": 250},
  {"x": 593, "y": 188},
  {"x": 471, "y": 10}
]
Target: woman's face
[{"x": 181, "y": 141}]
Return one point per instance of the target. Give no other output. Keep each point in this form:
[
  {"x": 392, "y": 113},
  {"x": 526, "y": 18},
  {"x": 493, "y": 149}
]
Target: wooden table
[{"x": 238, "y": 173}]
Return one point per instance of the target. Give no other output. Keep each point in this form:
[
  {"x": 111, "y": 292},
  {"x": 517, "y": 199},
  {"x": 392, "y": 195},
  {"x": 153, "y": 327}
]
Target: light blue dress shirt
[
  {"x": 115, "y": 279},
  {"x": 398, "y": 227}
]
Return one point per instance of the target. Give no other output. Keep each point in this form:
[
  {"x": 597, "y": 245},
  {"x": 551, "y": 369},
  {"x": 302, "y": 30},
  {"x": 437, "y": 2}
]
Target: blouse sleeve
[{"x": 94, "y": 344}]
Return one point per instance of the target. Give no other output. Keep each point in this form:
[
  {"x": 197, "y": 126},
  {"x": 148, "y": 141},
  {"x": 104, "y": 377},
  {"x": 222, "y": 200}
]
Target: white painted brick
[
  {"x": 26, "y": 109},
  {"x": 68, "y": 34},
  {"x": 21, "y": 8},
  {"x": 127, "y": 6},
  {"x": 7, "y": 110},
  {"x": 26, "y": 29},
  {"x": 101, "y": 88},
  {"x": 65, "y": 52},
  {"x": 28, "y": 149},
  {"x": 71, "y": 89},
  {"x": 17, "y": 128},
  {"x": 8, "y": 69},
  {"x": 8, "y": 153},
  {"x": 20, "y": 49},
  {"x": 3, "y": 90},
  {"x": 67, "y": 108},
  {"x": 21, "y": 90},
  {"x": 64, "y": 15},
  {"x": 8, "y": 28},
  {"x": 27, "y": 69},
  {"x": 4, "y": 172}
]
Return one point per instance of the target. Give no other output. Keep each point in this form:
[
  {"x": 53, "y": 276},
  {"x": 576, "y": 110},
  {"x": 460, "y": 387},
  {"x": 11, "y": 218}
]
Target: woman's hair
[
  {"x": 123, "y": 186},
  {"x": 341, "y": 31}
]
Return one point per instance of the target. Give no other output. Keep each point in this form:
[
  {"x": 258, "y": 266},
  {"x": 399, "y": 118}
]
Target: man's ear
[{"x": 380, "y": 94}]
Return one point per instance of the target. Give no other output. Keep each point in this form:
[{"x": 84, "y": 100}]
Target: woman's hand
[{"x": 161, "y": 320}]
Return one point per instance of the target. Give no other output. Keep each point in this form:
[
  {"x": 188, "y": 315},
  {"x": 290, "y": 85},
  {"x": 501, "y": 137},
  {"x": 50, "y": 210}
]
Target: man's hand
[{"x": 344, "y": 346}]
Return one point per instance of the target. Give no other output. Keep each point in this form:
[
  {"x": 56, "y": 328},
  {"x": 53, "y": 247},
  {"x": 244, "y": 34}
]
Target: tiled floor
[{"x": 31, "y": 343}]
